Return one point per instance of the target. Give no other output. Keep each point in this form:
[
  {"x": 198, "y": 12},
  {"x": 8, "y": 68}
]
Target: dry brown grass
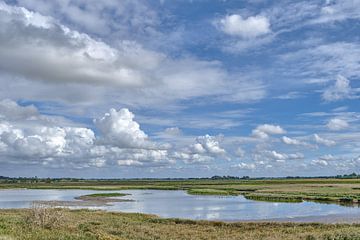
[
  {"x": 45, "y": 216},
  {"x": 99, "y": 225}
]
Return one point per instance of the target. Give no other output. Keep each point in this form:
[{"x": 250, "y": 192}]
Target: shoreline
[{"x": 105, "y": 198}]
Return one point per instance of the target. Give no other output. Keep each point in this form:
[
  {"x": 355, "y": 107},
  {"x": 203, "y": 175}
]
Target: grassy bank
[
  {"x": 342, "y": 191},
  {"x": 98, "y": 225}
]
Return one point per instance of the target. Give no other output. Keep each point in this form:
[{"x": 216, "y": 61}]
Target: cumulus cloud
[
  {"x": 192, "y": 158},
  {"x": 129, "y": 162},
  {"x": 340, "y": 90},
  {"x": 121, "y": 141},
  {"x": 244, "y": 166},
  {"x": 283, "y": 156},
  {"x": 337, "y": 124},
  {"x": 207, "y": 144},
  {"x": 324, "y": 141},
  {"x": 40, "y": 143},
  {"x": 250, "y": 27},
  {"x": 117, "y": 141},
  {"x": 118, "y": 128},
  {"x": 12, "y": 111},
  {"x": 292, "y": 141},
  {"x": 205, "y": 149},
  {"x": 320, "y": 162},
  {"x": 263, "y": 131}
]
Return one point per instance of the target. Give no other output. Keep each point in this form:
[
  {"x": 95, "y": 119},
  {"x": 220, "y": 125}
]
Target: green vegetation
[
  {"x": 99, "y": 225},
  {"x": 96, "y": 195},
  {"x": 211, "y": 192},
  {"x": 273, "y": 198}
]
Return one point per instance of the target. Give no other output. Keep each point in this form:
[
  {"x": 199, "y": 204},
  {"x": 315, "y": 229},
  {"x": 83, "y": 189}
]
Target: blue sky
[{"x": 179, "y": 88}]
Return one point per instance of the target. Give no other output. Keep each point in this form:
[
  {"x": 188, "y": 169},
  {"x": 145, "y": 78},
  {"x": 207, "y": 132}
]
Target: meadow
[
  {"x": 100, "y": 225},
  {"x": 86, "y": 224}
]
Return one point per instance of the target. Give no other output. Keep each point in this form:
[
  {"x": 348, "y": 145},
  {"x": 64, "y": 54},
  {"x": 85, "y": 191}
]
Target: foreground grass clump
[{"x": 100, "y": 225}]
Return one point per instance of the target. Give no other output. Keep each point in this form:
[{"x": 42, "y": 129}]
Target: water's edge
[{"x": 194, "y": 207}]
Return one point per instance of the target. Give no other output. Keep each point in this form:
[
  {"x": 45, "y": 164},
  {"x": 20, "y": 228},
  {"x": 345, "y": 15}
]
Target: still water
[{"x": 178, "y": 204}]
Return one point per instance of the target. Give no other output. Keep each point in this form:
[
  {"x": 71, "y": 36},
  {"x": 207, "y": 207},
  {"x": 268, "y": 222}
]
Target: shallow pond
[{"x": 178, "y": 204}]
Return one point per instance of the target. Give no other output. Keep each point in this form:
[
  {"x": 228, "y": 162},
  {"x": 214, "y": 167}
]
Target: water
[{"x": 178, "y": 204}]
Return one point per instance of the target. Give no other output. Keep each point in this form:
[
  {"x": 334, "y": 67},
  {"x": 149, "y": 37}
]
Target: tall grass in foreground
[{"x": 99, "y": 225}]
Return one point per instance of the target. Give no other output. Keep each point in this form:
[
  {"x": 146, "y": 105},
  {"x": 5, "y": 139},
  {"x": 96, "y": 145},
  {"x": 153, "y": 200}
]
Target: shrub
[{"x": 45, "y": 216}]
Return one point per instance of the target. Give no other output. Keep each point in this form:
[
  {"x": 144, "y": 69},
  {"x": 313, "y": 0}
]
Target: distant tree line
[{"x": 35, "y": 179}]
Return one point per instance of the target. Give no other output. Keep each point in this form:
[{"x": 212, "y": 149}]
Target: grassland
[
  {"x": 86, "y": 224},
  {"x": 342, "y": 191},
  {"x": 99, "y": 225}
]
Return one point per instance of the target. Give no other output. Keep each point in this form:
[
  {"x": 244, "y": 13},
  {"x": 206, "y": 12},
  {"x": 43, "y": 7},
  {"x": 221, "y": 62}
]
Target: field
[
  {"x": 86, "y": 224},
  {"x": 342, "y": 191},
  {"x": 98, "y": 225}
]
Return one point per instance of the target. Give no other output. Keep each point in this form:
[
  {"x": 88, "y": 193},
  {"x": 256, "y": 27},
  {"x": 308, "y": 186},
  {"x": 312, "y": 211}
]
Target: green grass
[
  {"x": 210, "y": 192},
  {"x": 99, "y": 225},
  {"x": 273, "y": 198},
  {"x": 96, "y": 195}
]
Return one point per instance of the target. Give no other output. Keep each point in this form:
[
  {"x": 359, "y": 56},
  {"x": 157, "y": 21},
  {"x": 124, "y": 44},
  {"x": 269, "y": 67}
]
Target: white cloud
[
  {"x": 208, "y": 144},
  {"x": 129, "y": 163},
  {"x": 250, "y": 27},
  {"x": 173, "y": 131},
  {"x": 54, "y": 56},
  {"x": 40, "y": 143},
  {"x": 263, "y": 131},
  {"x": 328, "y": 157},
  {"x": 64, "y": 55},
  {"x": 205, "y": 149},
  {"x": 324, "y": 141},
  {"x": 341, "y": 90},
  {"x": 240, "y": 152},
  {"x": 283, "y": 156},
  {"x": 319, "y": 162},
  {"x": 30, "y": 141},
  {"x": 320, "y": 62},
  {"x": 193, "y": 158},
  {"x": 100, "y": 17},
  {"x": 292, "y": 141},
  {"x": 118, "y": 128},
  {"x": 337, "y": 124},
  {"x": 244, "y": 166}
]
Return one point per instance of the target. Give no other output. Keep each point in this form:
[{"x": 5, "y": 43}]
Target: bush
[{"x": 45, "y": 216}]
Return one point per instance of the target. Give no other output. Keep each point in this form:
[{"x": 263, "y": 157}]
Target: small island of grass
[
  {"x": 96, "y": 195},
  {"x": 203, "y": 191},
  {"x": 103, "y": 198}
]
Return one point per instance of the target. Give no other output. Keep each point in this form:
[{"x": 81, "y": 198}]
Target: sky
[{"x": 180, "y": 88}]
